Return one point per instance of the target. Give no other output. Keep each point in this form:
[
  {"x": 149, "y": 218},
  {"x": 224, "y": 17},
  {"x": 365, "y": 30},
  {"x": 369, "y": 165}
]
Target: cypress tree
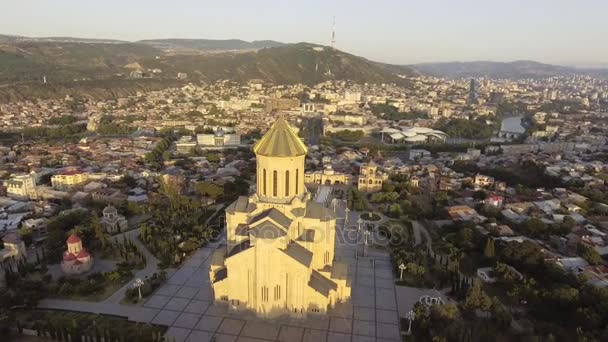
[{"x": 489, "y": 251}]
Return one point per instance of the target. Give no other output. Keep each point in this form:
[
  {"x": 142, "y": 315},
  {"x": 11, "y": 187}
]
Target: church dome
[
  {"x": 280, "y": 141},
  {"x": 110, "y": 210},
  {"x": 73, "y": 239}
]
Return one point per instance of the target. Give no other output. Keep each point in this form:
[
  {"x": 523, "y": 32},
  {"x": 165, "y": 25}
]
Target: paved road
[{"x": 419, "y": 230}]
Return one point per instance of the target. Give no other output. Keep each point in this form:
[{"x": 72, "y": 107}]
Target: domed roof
[
  {"x": 389, "y": 130},
  {"x": 110, "y": 210},
  {"x": 69, "y": 257},
  {"x": 409, "y": 133},
  {"x": 74, "y": 239},
  {"x": 421, "y": 130},
  {"x": 416, "y": 138},
  {"x": 280, "y": 141}
]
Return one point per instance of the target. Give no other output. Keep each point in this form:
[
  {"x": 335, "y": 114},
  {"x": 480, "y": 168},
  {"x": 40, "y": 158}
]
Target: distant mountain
[
  {"x": 507, "y": 70},
  {"x": 294, "y": 63},
  {"x": 13, "y": 39},
  {"x": 210, "y": 44},
  {"x": 25, "y": 62}
]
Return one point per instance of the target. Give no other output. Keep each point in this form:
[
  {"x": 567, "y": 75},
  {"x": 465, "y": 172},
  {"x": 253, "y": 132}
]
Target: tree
[
  {"x": 26, "y": 235},
  {"x": 209, "y": 189},
  {"x": 480, "y": 195},
  {"x": 99, "y": 232},
  {"x": 415, "y": 269},
  {"x": 444, "y": 312},
  {"x": 505, "y": 274},
  {"x": 535, "y": 226},
  {"x": 477, "y": 299},
  {"x": 589, "y": 254},
  {"x": 489, "y": 251}
]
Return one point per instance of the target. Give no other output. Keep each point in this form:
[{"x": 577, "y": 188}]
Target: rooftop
[{"x": 280, "y": 141}]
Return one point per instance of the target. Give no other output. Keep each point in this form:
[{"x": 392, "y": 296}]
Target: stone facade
[
  {"x": 370, "y": 179},
  {"x": 112, "y": 222},
  {"x": 279, "y": 256},
  {"x": 76, "y": 259},
  {"x": 328, "y": 177}
]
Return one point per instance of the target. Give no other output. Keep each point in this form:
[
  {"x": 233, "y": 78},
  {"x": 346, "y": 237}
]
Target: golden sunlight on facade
[{"x": 279, "y": 256}]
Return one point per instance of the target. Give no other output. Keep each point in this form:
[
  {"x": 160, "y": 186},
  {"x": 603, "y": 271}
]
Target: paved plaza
[{"x": 184, "y": 304}]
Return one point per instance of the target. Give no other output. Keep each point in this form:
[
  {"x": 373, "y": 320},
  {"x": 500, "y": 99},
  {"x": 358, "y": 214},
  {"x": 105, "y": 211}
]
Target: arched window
[
  {"x": 297, "y": 181},
  {"x": 274, "y": 183},
  {"x": 286, "y": 183},
  {"x": 264, "y": 183}
]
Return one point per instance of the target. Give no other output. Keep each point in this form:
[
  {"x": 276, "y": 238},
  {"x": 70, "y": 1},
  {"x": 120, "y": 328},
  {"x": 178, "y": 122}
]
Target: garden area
[
  {"x": 369, "y": 216},
  {"x": 114, "y": 263},
  {"x": 355, "y": 200},
  {"x": 81, "y": 327},
  {"x": 545, "y": 302},
  {"x": 176, "y": 227},
  {"x": 149, "y": 286}
]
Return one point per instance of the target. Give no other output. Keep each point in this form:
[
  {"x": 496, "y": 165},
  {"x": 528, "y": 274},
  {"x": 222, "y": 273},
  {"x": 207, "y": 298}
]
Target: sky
[{"x": 567, "y": 32}]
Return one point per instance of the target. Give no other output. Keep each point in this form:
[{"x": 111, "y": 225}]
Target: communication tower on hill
[{"x": 333, "y": 33}]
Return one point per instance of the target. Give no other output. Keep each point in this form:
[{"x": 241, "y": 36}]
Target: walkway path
[
  {"x": 148, "y": 271},
  {"x": 419, "y": 230}
]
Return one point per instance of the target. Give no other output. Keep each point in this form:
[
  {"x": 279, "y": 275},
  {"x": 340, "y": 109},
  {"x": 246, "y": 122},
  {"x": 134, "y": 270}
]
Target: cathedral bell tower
[{"x": 280, "y": 158}]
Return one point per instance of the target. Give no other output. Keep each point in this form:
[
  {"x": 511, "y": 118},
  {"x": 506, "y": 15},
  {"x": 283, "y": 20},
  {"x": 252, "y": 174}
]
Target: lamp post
[
  {"x": 346, "y": 216},
  {"x": 411, "y": 315},
  {"x": 138, "y": 283},
  {"x": 359, "y": 221},
  {"x": 402, "y": 268},
  {"x": 366, "y": 235},
  {"x": 334, "y": 202}
]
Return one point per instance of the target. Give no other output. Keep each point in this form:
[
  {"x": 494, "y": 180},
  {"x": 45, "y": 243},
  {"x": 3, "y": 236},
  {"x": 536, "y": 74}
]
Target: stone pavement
[{"x": 184, "y": 304}]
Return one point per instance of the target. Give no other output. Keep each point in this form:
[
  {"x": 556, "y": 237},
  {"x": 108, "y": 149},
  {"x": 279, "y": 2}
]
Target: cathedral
[{"x": 279, "y": 253}]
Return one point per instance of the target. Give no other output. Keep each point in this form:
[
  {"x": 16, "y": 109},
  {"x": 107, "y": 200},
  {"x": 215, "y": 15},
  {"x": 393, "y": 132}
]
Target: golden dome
[{"x": 280, "y": 141}]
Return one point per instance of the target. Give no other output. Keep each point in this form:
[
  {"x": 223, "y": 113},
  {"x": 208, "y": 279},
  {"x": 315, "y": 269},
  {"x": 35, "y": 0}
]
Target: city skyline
[{"x": 388, "y": 31}]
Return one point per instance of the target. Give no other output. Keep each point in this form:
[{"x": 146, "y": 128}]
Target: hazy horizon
[{"x": 549, "y": 31}]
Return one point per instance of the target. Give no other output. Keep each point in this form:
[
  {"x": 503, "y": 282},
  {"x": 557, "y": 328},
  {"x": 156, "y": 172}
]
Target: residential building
[
  {"x": 21, "y": 187},
  {"x": 370, "y": 179},
  {"x": 69, "y": 179}
]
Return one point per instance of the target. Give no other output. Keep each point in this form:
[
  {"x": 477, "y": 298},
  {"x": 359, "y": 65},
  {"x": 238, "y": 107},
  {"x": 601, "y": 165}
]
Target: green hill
[
  {"x": 295, "y": 63},
  {"x": 63, "y": 61},
  {"x": 24, "y": 63},
  {"x": 209, "y": 44}
]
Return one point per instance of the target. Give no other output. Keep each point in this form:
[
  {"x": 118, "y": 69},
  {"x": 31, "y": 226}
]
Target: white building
[
  {"x": 21, "y": 187},
  {"x": 219, "y": 139},
  {"x": 112, "y": 222}
]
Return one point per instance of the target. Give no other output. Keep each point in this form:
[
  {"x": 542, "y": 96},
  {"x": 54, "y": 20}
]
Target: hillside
[
  {"x": 296, "y": 63},
  {"x": 24, "y": 64},
  {"x": 209, "y": 44},
  {"x": 513, "y": 70},
  {"x": 27, "y": 61}
]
